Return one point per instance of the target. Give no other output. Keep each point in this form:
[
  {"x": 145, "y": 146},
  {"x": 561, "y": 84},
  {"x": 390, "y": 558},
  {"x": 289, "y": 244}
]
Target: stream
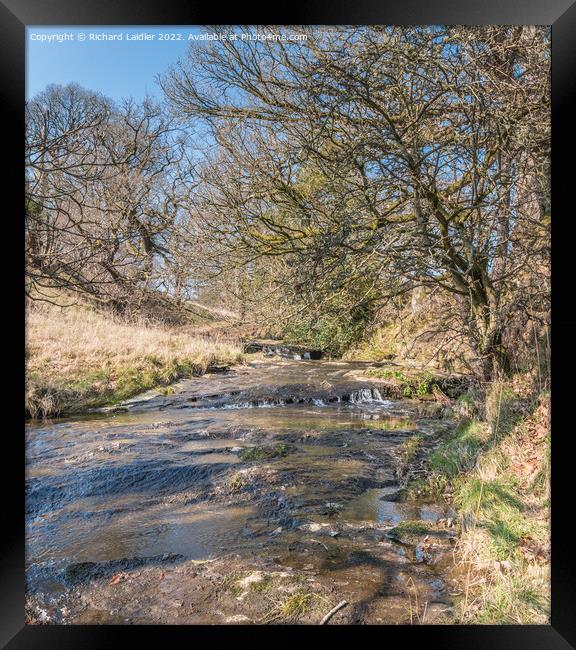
[{"x": 265, "y": 494}]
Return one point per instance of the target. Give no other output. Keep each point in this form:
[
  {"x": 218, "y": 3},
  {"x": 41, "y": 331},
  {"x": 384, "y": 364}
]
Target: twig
[
  {"x": 424, "y": 613},
  {"x": 317, "y": 541},
  {"x": 332, "y": 612},
  {"x": 416, "y": 603}
]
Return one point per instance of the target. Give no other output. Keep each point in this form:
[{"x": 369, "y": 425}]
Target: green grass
[
  {"x": 263, "y": 452},
  {"x": 434, "y": 486},
  {"x": 260, "y": 587},
  {"x": 496, "y": 474},
  {"x": 296, "y": 604},
  {"x": 512, "y": 600},
  {"x": 236, "y": 482},
  {"x": 496, "y": 507},
  {"x": 501, "y": 409},
  {"x": 78, "y": 358},
  {"x": 104, "y": 387},
  {"x": 419, "y": 386},
  {"x": 466, "y": 406},
  {"x": 459, "y": 452},
  {"x": 416, "y": 527},
  {"x": 407, "y": 452},
  {"x": 409, "y": 448}
]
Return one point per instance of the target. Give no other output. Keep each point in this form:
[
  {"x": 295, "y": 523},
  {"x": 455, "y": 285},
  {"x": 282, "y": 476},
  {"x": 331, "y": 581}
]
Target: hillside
[{"x": 78, "y": 358}]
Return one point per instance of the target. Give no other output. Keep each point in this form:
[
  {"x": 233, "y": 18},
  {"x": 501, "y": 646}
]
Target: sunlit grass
[
  {"x": 77, "y": 358},
  {"x": 458, "y": 453}
]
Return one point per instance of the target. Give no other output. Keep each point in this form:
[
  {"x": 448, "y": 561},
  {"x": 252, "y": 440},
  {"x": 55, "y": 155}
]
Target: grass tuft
[
  {"x": 503, "y": 505},
  {"x": 263, "y": 452},
  {"x": 458, "y": 453},
  {"x": 296, "y": 604},
  {"x": 415, "y": 527},
  {"x": 496, "y": 473}
]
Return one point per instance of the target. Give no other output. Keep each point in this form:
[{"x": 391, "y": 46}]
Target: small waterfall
[
  {"x": 360, "y": 396},
  {"x": 365, "y": 395},
  {"x": 261, "y": 404}
]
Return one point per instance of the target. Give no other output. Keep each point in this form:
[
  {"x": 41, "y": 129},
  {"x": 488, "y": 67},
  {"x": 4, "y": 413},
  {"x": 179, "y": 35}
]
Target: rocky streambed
[{"x": 267, "y": 494}]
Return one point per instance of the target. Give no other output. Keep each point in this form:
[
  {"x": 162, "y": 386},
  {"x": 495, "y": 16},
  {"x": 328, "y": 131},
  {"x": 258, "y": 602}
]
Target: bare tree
[
  {"x": 101, "y": 193},
  {"x": 414, "y": 156}
]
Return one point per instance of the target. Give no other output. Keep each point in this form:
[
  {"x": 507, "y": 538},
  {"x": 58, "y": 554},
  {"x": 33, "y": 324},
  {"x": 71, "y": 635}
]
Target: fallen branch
[{"x": 332, "y": 612}]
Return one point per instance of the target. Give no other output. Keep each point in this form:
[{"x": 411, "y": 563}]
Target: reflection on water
[
  {"x": 373, "y": 505},
  {"x": 98, "y": 536},
  {"x": 328, "y": 417},
  {"x": 117, "y": 486}
]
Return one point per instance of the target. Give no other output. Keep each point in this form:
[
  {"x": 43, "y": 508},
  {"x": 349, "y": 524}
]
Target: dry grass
[
  {"x": 77, "y": 358},
  {"x": 495, "y": 470},
  {"x": 416, "y": 332},
  {"x": 504, "y": 505}
]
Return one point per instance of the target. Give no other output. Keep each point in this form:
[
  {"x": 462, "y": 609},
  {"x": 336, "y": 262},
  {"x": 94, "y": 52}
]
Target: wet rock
[
  {"x": 84, "y": 571},
  {"x": 313, "y": 527},
  {"x": 332, "y": 508},
  {"x": 437, "y": 613}
]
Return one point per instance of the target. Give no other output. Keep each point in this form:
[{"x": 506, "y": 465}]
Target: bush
[{"x": 332, "y": 335}]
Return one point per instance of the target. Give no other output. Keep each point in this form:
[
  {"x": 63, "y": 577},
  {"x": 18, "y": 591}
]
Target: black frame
[{"x": 15, "y": 15}]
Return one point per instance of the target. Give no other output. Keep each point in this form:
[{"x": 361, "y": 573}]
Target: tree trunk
[
  {"x": 488, "y": 341},
  {"x": 495, "y": 357}
]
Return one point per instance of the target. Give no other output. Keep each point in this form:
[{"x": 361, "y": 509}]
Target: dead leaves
[
  {"x": 117, "y": 578},
  {"x": 534, "y": 551}
]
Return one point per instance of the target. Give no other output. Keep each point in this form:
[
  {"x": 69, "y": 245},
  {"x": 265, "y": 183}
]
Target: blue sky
[{"x": 115, "y": 68}]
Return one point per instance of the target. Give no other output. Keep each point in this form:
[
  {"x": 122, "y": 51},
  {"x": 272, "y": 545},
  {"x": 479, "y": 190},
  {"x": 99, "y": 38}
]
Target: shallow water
[
  {"x": 167, "y": 478},
  {"x": 373, "y": 505},
  {"x": 97, "y": 489}
]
